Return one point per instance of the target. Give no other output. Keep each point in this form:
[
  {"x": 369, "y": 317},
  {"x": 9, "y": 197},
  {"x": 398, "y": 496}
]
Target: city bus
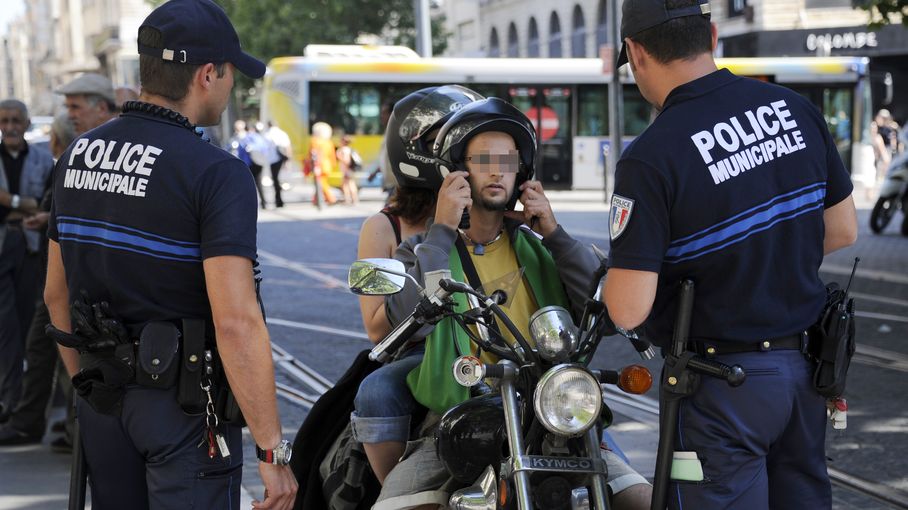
[{"x": 566, "y": 98}]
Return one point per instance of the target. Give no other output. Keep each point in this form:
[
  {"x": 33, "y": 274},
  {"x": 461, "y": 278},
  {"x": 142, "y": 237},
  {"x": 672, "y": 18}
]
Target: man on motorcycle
[{"x": 483, "y": 161}]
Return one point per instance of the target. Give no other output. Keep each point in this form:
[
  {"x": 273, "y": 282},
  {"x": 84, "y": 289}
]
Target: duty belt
[{"x": 709, "y": 348}]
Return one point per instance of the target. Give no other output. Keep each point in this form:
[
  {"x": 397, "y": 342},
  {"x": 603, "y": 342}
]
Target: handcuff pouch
[{"x": 158, "y": 353}]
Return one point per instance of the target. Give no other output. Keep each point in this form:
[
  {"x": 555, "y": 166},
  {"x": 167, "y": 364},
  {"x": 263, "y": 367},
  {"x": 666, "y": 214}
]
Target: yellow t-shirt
[{"x": 497, "y": 268}]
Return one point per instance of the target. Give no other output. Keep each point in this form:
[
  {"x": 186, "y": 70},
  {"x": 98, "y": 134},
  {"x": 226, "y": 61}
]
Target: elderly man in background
[
  {"x": 90, "y": 101},
  {"x": 24, "y": 172}
]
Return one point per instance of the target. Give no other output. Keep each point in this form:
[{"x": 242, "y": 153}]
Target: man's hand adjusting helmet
[{"x": 413, "y": 121}]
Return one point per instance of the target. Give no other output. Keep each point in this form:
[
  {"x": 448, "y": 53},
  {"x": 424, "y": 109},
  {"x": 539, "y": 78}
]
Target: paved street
[{"x": 315, "y": 320}]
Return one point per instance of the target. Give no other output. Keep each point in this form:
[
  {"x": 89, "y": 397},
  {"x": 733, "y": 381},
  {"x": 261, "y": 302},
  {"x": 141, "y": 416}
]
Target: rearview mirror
[{"x": 376, "y": 277}]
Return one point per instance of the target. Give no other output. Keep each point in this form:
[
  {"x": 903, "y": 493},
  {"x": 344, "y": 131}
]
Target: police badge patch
[{"x": 619, "y": 215}]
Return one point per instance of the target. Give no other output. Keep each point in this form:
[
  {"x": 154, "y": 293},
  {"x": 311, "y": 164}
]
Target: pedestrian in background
[
  {"x": 28, "y": 421},
  {"x": 175, "y": 269},
  {"x": 322, "y": 161},
  {"x": 737, "y": 185},
  {"x": 90, "y": 101},
  {"x": 282, "y": 141},
  {"x": 275, "y": 160},
  {"x": 260, "y": 154},
  {"x": 24, "y": 172},
  {"x": 346, "y": 160}
]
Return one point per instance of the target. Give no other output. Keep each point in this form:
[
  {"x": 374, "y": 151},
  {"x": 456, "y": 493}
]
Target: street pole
[
  {"x": 423, "y": 28},
  {"x": 615, "y": 101}
]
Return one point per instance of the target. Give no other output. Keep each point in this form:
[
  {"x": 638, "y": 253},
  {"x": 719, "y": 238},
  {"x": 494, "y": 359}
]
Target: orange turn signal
[
  {"x": 635, "y": 379},
  {"x": 502, "y": 492}
]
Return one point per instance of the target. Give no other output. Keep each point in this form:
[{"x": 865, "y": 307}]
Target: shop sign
[{"x": 843, "y": 41}]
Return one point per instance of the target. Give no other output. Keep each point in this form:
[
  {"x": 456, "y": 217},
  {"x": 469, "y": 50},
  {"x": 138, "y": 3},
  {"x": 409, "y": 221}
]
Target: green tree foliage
[
  {"x": 274, "y": 28},
  {"x": 882, "y": 12}
]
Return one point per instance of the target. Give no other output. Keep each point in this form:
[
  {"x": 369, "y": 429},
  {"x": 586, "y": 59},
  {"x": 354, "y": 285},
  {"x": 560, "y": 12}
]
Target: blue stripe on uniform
[
  {"x": 136, "y": 242},
  {"x": 759, "y": 222},
  {"x": 71, "y": 219},
  {"x": 125, "y": 248},
  {"x": 778, "y": 198}
]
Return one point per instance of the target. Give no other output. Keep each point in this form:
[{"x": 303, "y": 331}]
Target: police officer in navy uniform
[
  {"x": 153, "y": 225},
  {"x": 738, "y": 186}
]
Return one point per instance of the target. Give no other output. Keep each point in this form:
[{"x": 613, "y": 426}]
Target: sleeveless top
[{"x": 395, "y": 224}]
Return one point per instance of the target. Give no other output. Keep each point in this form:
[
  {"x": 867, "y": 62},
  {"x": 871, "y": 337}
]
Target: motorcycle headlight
[
  {"x": 568, "y": 400},
  {"x": 554, "y": 332}
]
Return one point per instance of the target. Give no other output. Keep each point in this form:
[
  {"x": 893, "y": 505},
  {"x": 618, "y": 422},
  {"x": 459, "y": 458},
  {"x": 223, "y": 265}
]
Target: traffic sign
[{"x": 549, "y": 122}]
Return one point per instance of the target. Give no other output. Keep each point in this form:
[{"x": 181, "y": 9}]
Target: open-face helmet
[
  {"x": 492, "y": 114},
  {"x": 414, "y": 120}
]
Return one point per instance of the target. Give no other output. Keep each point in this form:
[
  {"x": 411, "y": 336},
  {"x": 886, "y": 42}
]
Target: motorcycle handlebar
[{"x": 395, "y": 339}]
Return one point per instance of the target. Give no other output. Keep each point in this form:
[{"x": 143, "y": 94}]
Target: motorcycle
[
  {"x": 893, "y": 196},
  {"x": 529, "y": 436}
]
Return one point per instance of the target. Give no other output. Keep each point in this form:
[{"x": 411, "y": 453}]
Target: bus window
[
  {"x": 351, "y": 107},
  {"x": 592, "y": 110},
  {"x": 836, "y": 110},
  {"x": 638, "y": 113},
  {"x": 836, "y": 103}
]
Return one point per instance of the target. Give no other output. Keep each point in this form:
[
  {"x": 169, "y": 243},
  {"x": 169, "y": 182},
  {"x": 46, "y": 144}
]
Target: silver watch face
[{"x": 283, "y": 452}]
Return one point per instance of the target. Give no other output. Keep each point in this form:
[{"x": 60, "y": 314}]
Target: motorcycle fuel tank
[{"x": 470, "y": 437}]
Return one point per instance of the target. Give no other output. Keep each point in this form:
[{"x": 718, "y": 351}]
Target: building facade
[
  {"x": 56, "y": 40},
  {"x": 747, "y": 28},
  {"x": 526, "y": 28}
]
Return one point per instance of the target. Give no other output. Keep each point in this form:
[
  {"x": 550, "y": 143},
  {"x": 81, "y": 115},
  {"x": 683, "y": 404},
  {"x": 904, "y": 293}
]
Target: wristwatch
[
  {"x": 14, "y": 201},
  {"x": 279, "y": 456}
]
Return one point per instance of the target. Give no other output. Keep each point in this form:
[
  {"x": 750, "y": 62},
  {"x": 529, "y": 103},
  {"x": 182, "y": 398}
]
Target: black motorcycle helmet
[
  {"x": 492, "y": 114},
  {"x": 414, "y": 117}
]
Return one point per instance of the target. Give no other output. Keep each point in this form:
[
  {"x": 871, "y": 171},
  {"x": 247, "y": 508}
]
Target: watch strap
[{"x": 274, "y": 456}]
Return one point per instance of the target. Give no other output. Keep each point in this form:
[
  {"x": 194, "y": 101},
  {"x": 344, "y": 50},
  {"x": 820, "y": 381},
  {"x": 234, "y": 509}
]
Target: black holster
[
  {"x": 103, "y": 379},
  {"x": 832, "y": 342},
  {"x": 190, "y": 395}
]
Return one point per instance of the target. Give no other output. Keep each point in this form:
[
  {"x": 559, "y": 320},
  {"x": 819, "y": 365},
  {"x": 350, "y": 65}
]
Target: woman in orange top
[{"x": 324, "y": 160}]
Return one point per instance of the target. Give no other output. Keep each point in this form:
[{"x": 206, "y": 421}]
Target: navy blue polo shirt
[
  {"x": 727, "y": 187},
  {"x": 139, "y": 203}
]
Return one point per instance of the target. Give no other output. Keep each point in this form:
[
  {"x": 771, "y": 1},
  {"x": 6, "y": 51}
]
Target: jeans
[{"x": 384, "y": 403}]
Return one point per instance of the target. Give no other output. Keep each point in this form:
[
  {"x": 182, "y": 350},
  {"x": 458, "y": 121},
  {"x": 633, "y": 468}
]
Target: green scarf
[{"x": 432, "y": 382}]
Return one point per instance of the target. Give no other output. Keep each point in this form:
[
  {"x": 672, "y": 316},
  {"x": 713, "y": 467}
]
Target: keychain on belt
[
  {"x": 215, "y": 440},
  {"x": 837, "y": 411}
]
